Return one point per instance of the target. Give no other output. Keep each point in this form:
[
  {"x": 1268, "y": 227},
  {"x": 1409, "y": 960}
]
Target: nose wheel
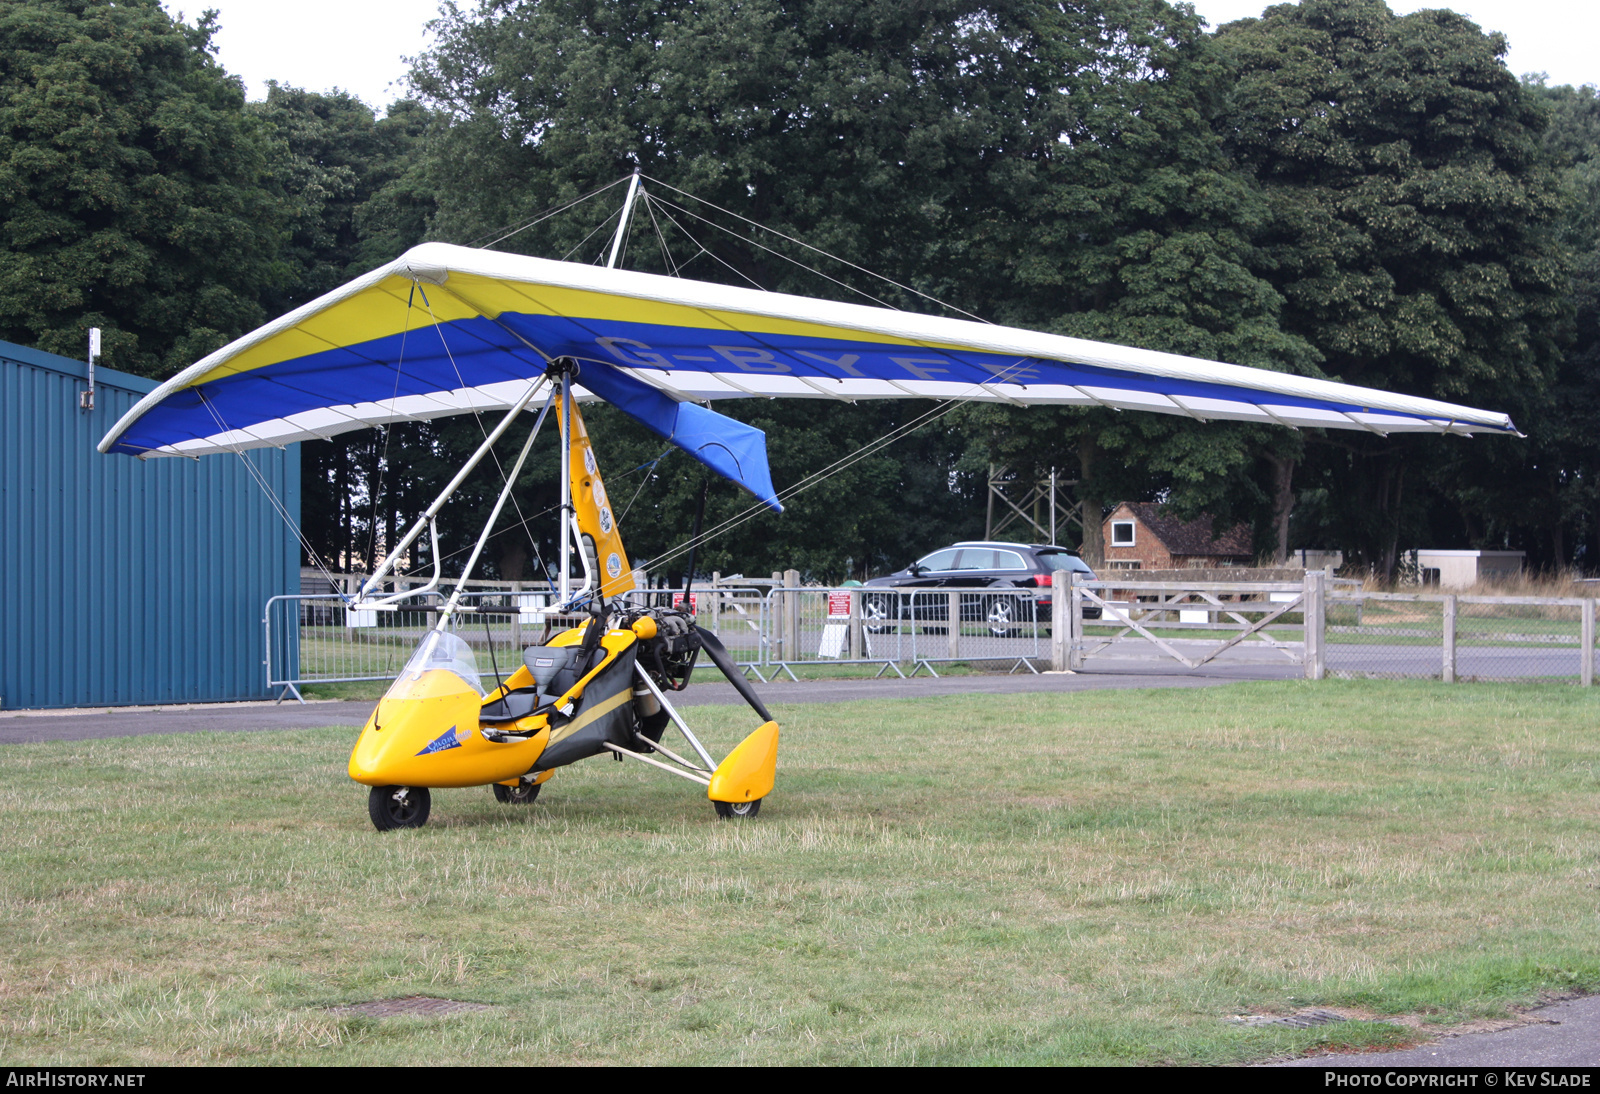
[
  {"x": 738, "y": 809},
  {"x": 398, "y": 806}
]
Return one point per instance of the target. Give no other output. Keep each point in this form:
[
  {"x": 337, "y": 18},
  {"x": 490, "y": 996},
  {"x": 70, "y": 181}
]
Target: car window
[
  {"x": 976, "y": 558},
  {"x": 1060, "y": 560},
  {"x": 940, "y": 560},
  {"x": 1008, "y": 560}
]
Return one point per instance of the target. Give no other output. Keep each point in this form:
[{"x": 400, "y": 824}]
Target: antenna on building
[{"x": 86, "y": 398}]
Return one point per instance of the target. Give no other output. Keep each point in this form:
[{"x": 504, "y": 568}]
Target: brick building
[{"x": 1142, "y": 536}]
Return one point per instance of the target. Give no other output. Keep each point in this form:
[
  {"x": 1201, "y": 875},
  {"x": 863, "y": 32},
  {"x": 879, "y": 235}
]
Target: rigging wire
[
  {"x": 527, "y": 524},
  {"x": 577, "y": 246},
  {"x": 272, "y": 496},
  {"x": 540, "y": 217},
  {"x": 816, "y": 478},
  {"x": 706, "y": 251},
  {"x": 818, "y": 250},
  {"x": 666, "y": 253},
  {"x": 779, "y": 254}
]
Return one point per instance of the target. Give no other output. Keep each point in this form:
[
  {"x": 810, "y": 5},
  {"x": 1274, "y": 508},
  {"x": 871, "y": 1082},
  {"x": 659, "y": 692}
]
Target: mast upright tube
[
  {"x": 566, "y": 484},
  {"x": 622, "y": 224}
]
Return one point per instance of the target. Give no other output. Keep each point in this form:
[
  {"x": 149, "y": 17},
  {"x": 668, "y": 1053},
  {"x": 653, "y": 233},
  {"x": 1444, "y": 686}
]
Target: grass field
[{"x": 1094, "y": 877}]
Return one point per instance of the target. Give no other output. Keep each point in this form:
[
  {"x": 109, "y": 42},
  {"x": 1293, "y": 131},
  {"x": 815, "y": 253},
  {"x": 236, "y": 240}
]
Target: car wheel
[
  {"x": 875, "y": 614},
  {"x": 1001, "y": 617}
]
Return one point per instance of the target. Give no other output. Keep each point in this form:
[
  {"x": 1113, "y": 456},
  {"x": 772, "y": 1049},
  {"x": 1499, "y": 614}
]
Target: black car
[{"x": 922, "y": 587}]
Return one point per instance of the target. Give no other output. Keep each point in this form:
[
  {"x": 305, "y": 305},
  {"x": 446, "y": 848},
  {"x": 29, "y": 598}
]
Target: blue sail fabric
[{"x": 735, "y": 451}]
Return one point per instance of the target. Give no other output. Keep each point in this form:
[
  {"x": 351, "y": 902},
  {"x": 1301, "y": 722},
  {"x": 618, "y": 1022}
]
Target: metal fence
[
  {"x": 1312, "y": 628},
  {"x": 319, "y": 639},
  {"x": 917, "y": 628}
]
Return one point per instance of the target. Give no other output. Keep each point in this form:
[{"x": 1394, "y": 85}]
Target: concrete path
[
  {"x": 21, "y": 727},
  {"x": 1564, "y": 1035}
]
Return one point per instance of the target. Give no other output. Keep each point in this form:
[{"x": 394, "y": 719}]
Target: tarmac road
[
  {"x": 1563, "y": 1035},
  {"x": 22, "y": 727}
]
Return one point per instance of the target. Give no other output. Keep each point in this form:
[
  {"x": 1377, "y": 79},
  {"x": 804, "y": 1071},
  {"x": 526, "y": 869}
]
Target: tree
[
  {"x": 351, "y": 182},
  {"x": 1410, "y": 233},
  {"x": 1044, "y": 164},
  {"x": 136, "y": 193},
  {"x": 354, "y": 200}
]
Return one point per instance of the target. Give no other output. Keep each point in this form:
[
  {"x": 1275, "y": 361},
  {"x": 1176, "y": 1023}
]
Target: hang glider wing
[{"x": 448, "y": 330}]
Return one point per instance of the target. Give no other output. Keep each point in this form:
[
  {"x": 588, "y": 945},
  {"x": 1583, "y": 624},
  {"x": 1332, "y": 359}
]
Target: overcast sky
[{"x": 359, "y": 45}]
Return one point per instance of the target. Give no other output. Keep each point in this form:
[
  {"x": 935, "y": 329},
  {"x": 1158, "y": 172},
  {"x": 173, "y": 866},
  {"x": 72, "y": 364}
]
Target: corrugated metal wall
[{"x": 122, "y": 580}]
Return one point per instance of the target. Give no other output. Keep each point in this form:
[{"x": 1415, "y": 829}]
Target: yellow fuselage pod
[{"x": 425, "y": 731}]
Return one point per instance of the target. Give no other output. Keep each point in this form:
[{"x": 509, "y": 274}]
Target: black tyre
[
  {"x": 516, "y": 795},
  {"x": 738, "y": 810},
  {"x": 398, "y": 807}
]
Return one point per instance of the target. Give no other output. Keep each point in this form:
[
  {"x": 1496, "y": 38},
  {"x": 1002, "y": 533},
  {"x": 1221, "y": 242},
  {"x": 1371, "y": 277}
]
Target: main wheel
[
  {"x": 516, "y": 795},
  {"x": 398, "y": 807},
  {"x": 738, "y": 809}
]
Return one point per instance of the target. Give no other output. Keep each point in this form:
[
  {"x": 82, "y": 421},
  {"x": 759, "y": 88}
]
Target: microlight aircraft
[{"x": 447, "y": 330}]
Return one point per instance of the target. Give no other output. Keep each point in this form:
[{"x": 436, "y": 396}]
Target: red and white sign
[
  {"x": 694, "y": 602},
  {"x": 838, "y": 605}
]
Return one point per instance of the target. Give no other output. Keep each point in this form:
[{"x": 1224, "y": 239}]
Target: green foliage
[
  {"x": 1329, "y": 189},
  {"x": 352, "y": 179},
  {"x": 1411, "y": 231},
  {"x": 136, "y": 192},
  {"x": 353, "y": 190},
  {"x": 1043, "y": 165}
]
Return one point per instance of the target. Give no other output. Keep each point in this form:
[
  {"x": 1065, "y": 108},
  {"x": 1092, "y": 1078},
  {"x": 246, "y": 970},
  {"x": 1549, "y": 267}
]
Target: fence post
[
  {"x": 1060, "y": 621},
  {"x": 858, "y": 645},
  {"x": 1449, "y": 670},
  {"x": 1075, "y": 629},
  {"x": 775, "y": 597},
  {"x": 716, "y": 601},
  {"x": 1314, "y": 617},
  {"x": 791, "y": 604},
  {"x": 953, "y": 631},
  {"x": 1586, "y": 658}
]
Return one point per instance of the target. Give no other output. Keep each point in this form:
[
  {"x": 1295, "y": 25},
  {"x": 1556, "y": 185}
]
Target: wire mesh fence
[
  {"x": 899, "y": 628},
  {"x": 1453, "y": 637},
  {"x": 1108, "y": 626},
  {"x": 321, "y": 639}
]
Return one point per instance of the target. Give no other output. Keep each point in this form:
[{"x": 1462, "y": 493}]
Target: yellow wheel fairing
[{"x": 751, "y": 769}]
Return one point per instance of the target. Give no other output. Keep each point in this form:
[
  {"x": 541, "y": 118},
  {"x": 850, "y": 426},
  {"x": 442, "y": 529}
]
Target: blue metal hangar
[{"x": 127, "y": 581}]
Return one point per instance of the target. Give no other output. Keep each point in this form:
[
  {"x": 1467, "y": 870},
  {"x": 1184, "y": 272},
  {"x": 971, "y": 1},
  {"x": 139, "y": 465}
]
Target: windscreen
[{"x": 440, "y": 650}]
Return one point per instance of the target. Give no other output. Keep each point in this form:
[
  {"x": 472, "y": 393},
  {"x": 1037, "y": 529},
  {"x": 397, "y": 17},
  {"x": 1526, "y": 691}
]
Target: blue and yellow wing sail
[{"x": 449, "y": 330}]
